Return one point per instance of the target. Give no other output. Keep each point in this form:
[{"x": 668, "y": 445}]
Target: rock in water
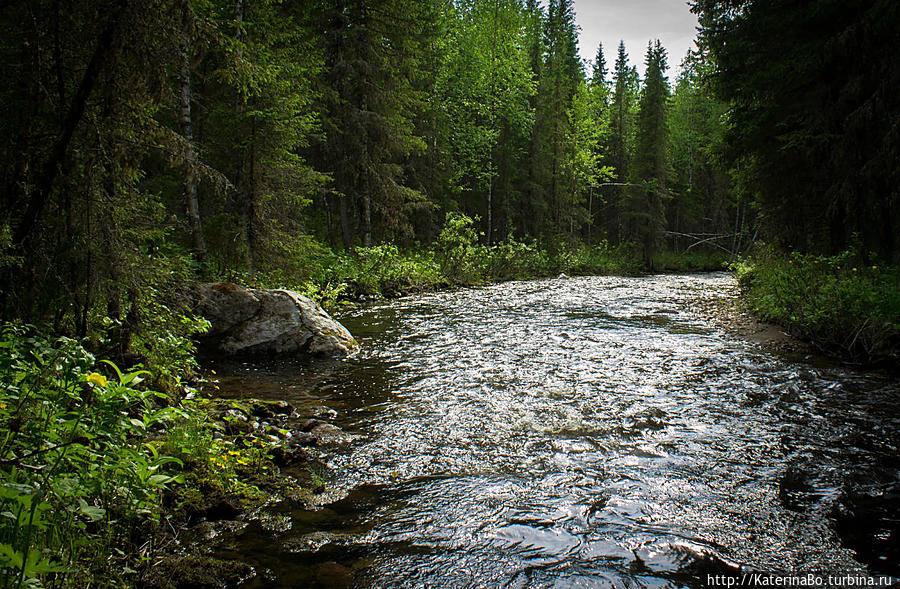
[{"x": 254, "y": 321}]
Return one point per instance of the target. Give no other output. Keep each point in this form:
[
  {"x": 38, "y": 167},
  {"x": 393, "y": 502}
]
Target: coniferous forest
[
  {"x": 348, "y": 149},
  {"x": 147, "y": 144}
]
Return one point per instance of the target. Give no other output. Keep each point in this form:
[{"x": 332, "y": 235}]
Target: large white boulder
[{"x": 253, "y": 321}]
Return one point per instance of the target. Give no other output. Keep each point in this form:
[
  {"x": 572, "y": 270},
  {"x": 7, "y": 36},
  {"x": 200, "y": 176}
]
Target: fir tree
[{"x": 651, "y": 166}]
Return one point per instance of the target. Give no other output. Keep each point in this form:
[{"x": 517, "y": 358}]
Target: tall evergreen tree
[
  {"x": 645, "y": 204},
  {"x": 702, "y": 200},
  {"x": 559, "y": 82},
  {"x": 600, "y": 71},
  {"x": 371, "y": 49},
  {"x": 812, "y": 88},
  {"x": 621, "y": 114}
]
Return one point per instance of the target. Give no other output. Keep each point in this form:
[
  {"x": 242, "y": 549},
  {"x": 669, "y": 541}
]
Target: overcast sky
[{"x": 635, "y": 22}]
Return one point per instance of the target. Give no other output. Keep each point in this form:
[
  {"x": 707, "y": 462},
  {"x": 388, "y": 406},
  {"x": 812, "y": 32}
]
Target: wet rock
[
  {"x": 206, "y": 531},
  {"x": 234, "y": 414},
  {"x": 274, "y": 522},
  {"x": 288, "y": 455},
  {"x": 323, "y": 412},
  {"x": 332, "y": 574},
  {"x": 320, "y": 432},
  {"x": 326, "y": 432},
  {"x": 307, "y": 425},
  {"x": 320, "y": 542},
  {"x": 277, "y": 434},
  {"x": 304, "y": 439},
  {"x": 237, "y": 428},
  {"x": 270, "y": 409},
  {"x": 197, "y": 572},
  {"x": 684, "y": 557},
  {"x": 216, "y": 507},
  {"x": 868, "y": 522},
  {"x": 253, "y": 321}
]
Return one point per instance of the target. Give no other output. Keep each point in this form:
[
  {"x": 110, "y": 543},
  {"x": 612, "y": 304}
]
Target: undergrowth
[
  {"x": 848, "y": 304},
  {"x": 94, "y": 464}
]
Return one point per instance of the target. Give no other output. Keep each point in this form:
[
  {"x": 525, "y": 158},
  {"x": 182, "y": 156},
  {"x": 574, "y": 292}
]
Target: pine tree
[
  {"x": 645, "y": 204},
  {"x": 621, "y": 114}
]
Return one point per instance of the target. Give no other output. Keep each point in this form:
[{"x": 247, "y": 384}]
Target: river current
[{"x": 589, "y": 432}]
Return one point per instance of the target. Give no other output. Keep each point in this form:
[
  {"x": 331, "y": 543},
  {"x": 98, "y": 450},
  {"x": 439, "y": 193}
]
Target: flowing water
[{"x": 579, "y": 433}]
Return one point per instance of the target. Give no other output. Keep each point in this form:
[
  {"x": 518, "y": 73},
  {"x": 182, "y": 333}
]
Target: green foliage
[
  {"x": 644, "y": 204},
  {"x": 457, "y": 258},
  {"x": 457, "y": 246},
  {"x": 844, "y": 304},
  {"x": 92, "y": 461},
  {"x": 78, "y": 478},
  {"x": 383, "y": 270}
]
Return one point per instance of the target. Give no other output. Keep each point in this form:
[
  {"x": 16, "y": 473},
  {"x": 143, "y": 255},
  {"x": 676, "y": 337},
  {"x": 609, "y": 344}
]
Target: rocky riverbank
[{"x": 270, "y": 452}]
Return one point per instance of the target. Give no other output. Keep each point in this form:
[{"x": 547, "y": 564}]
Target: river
[{"x": 589, "y": 432}]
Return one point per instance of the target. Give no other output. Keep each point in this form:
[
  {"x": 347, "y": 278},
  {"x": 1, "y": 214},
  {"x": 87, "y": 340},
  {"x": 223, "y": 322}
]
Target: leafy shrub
[
  {"x": 76, "y": 476},
  {"x": 457, "y": 249},
  {"x": 844, "y": 303}
]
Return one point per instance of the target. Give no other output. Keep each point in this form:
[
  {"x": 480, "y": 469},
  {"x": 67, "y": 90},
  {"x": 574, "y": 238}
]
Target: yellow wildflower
[
  {"x": 874, "y": 267},
  {"x": 854, "y": 269},
  {"x": 97, "y": 379}
]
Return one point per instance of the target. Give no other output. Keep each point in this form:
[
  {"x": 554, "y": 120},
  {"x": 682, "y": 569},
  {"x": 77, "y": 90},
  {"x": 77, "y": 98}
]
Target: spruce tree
[
  {"x": 561, "y": 76},
  {"x": 621, "y": 114},
  {"x": 645, "y": 204},
  {"x": 371, "y": 49}
]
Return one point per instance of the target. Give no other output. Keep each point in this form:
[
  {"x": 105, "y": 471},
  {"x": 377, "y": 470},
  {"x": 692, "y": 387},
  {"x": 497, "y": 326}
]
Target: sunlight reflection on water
[{"x": 584, "y": 432}]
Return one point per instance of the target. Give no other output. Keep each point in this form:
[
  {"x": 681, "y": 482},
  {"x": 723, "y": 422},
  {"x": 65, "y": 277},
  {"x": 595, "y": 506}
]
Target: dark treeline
[
  {"x": 146, "y": 142},
  {"x": 814, "y": 124}
]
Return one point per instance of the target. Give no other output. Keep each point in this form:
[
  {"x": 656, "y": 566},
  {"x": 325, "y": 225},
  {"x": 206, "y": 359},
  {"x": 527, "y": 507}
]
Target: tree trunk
[
  {"x": 367, "y": 217},
  {"x": 248, "y": 211},
  {"x": 346, "y": 229},
  {"x": 102, "y": 53},
  {"x": 192, "y": 203}
]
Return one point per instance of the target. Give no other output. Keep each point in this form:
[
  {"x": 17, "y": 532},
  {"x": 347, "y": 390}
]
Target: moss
[{"x": 197, "y": 572}]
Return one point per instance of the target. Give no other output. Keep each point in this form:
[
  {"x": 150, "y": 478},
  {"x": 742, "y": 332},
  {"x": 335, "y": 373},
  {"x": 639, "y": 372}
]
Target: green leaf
[{"x": 95, "y": 514}]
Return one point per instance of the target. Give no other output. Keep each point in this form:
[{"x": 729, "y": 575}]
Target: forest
[
  {"x": 353, "y": 148},
  {"x": 283, "y": 144}
]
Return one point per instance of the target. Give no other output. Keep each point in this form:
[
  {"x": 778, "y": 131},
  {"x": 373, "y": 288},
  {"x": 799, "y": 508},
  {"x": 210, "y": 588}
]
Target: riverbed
[{"x": 584, "y": 432}]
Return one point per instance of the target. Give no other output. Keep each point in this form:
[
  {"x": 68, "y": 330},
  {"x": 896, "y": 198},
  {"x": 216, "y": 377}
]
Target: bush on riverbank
[
  {"x": 847, "y": 304},
  {"x": 96, "y": 468},
  {"x": 457, "y": 258}
]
